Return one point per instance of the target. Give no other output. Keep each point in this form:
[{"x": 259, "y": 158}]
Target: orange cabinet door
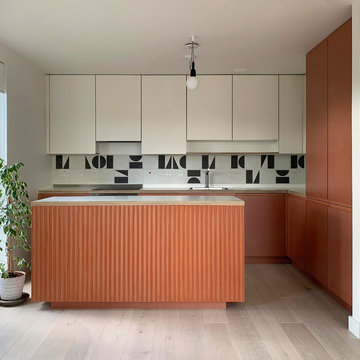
[
  {"x": 316, "y": 230},
  {"x": 264, "y": 224},
  {"x": 316, "y": 122},
  {"x": 339, "y": 115},
  {"x": 340, "y": 253},
  {"x": 296, "y": 230}
]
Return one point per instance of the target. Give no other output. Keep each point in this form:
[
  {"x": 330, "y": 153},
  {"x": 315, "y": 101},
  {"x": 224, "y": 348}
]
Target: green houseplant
[{"x": 15, "y": 219}]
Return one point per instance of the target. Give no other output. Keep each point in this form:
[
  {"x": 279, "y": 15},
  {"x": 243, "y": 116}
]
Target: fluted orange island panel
[{"x": 170, "y": 254}]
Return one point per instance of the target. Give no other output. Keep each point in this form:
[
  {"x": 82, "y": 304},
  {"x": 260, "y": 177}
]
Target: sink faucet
[{"x": 207, "y": 178}]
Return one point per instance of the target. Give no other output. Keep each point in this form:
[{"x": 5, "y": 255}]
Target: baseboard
[
  {"x": 354, "y": 327},
  {"x": 267, "y": 260}
]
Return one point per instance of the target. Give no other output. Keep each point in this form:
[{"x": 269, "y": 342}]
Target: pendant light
[{"x": 192, "y": 82}]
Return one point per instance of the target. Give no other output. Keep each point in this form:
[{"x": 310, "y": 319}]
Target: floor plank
[
  {"x": 219, "y": 342},
  {"x": 12, "y": 332},
  {"x": 192, "y": 336},
  {"x": 60, "y": 337},
  {"x": 265, "y": 287},
  {"x": 244, "y": 335},
  {"x": 139, "y": 341},
  {"x": 305, "y": 343},
  {"x": 337, "y": 341},
  {"x": 215, "y": 316},
  {"x": 167, "y": 335},
  {"x": 285, "y": 316},
  {"x": 113, "y": 336},
  {"x": 33, "y": 337},
  {"x": 87, "y": 335},
  {"x": 276, "y": 342}
]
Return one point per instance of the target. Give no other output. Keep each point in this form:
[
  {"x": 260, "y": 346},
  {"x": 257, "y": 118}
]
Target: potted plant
[{"x": 15, "y": 219}]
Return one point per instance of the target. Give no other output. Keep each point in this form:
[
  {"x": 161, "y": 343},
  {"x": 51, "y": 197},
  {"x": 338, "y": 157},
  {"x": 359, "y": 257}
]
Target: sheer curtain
[
  {"x": 2, "y": 77},
  {"x": 3, "y": 132},
  {"x": 3, "y": 135}
]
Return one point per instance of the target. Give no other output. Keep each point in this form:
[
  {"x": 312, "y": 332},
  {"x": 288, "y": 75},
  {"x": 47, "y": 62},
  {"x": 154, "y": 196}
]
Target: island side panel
[{"x": 138, "y": 253}]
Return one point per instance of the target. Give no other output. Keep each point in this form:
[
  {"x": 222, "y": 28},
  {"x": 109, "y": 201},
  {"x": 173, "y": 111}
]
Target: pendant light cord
[{"x": 192, "y": 57}]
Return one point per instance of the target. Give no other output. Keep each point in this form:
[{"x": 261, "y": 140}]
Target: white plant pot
[{"x": 12, "y": 288}]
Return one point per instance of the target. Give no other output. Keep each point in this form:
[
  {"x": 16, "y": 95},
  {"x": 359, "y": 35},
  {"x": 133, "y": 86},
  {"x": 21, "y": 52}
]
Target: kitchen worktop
[
  {"x": 161, "y": 188},
  {"x": 139, "y": 200}
]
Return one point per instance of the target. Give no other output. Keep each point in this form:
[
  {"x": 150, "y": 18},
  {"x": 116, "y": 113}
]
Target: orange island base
[{"x": 146, "y": 251}]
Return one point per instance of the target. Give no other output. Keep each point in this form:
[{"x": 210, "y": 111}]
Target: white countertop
[
  {"x": 188, "y": 188},
  {"x": 138, "y": 200},
  {"x": 231, "y": 187}
]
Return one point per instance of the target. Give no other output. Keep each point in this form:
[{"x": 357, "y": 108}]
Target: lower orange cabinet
[
  {"x": 264, "y": 224},
  {"x": 340, "y": 252},
  {"x": 296, "y": 230},
  {"x": 317, "y": 240}
]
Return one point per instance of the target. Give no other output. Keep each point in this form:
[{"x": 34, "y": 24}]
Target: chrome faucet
[{"x": 207, "y": 178}]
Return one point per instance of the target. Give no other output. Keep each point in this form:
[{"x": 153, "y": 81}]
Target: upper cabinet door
[
  {"x": 316, "y": 122},
  {"x": 255, "y": 107},
  {"x": 118, "y": 108},
  {"x": 291, "y": 114},
  {"x": 164, "y": 114},
  {"x": 339, "y": 115},
  {"x": 209, "y": 109},
  {"x": 72, "y": 114}
]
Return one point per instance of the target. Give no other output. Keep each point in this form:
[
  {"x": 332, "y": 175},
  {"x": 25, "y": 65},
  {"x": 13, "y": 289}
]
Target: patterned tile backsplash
[{"x": 178, "y": 170}]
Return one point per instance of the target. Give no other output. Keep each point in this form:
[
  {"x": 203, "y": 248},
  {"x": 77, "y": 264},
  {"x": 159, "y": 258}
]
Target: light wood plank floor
[{"x": 285, "y": 316}]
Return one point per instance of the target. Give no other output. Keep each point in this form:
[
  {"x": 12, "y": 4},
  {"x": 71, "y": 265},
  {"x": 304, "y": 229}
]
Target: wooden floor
[{"x": 285, "y": 316}]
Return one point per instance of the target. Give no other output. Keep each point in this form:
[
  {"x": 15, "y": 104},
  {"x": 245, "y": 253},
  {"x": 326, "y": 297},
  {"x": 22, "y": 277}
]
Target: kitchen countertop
[
  {"x": 158, "y": 189},
  {"x": 140, "y": 200}
]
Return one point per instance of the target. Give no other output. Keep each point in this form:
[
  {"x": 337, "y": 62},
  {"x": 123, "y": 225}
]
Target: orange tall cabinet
[
  {"x": 339, "y": 115},
  {"x": 328, "y": 118},
  {"x": 316, "y": 122},
  {"x": 328, "y": 221}
]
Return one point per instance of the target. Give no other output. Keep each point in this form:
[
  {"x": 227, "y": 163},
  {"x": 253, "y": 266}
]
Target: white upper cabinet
[
  {"x": 209, "y": 109},
  {"x": 291, "y": 114},
  {"x": 159, "y": 112},
  {"x": 72, "y": 114},
  {"x": 255, "y": 107},
  {"x": 118, "y": 108},
  {"x": 163, "y": 114}
]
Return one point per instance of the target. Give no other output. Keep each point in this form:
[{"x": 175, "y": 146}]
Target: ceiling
[{"x": 148, "y": 36}]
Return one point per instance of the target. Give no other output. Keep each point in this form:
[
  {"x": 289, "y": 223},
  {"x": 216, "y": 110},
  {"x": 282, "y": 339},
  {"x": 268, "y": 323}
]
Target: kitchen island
[{"x": 148, "y": 251}]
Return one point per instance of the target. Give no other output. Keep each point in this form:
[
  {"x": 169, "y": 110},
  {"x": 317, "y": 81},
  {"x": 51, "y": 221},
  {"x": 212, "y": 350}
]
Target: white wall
[
  {"x": 26, "y": 119},
  {"x": 354, "y": 320}
]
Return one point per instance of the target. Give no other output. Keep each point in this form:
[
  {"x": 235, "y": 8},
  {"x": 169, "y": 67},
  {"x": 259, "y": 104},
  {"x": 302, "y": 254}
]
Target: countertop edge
[
  {"x": 127, "y": 203},
  {"x": 139, "y": 200}
]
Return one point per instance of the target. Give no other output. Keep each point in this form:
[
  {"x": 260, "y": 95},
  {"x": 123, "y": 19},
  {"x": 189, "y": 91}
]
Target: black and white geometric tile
[
  {"x": 182, "y": 169},
  {"x": 62, "y": 162}
]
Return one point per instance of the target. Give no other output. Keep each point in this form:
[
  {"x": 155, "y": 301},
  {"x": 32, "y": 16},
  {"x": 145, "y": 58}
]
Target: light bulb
[{"x": 192, "y": 82}]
